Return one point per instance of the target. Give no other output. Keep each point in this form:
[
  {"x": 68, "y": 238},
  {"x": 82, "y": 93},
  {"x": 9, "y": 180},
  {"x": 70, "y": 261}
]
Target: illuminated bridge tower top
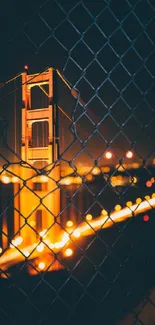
[{"x": 31, "y": 118}]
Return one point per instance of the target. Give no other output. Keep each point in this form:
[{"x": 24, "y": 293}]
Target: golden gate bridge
[{"x": 37, "y": 229}]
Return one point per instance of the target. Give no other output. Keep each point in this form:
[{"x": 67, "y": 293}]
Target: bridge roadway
[{"x": 19, "y": 253}]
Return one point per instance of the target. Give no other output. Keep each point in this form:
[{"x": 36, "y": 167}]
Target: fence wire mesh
[{"x": 77, "y": 156}]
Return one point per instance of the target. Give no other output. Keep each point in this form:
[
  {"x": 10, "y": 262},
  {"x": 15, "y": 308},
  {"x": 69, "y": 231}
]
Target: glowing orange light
[
  {"x": 129, "y": 204},
  {"x": 148, "y": 183},
  {"x": 1, "y": 250},
  {"x": 118, "y": 207},
  {"x": 14, "y": 179},
  {"x": 43, "y": 178},
  {"x": 5, "y": 179},
  {"x": 135, "y": 180},
  {"x": 129, "y": 154},
  {"x": 139, "y": 200},
  {"x": 33, "y": 223},
  {"x": 136, "y": 165},
  {"x": 67, "y": 181},
  {"x": 77, "y": 180},
  {"x": 68, "y": 252},
  {"x": 65, "y": 239},
  {"x": 19, "y": 240},
  {"x": 146, "y": 218},
  {"x": 43, "y": 233},
  {"x": 76, "y": 233},
  {"x": 104, "y": 212},
  {"x": 51, "y": 246},
  {"x": 89, "y": 217},
  {"x": 105, "y": 169},
  {"x": 58, "y": 245},
  {"x": 69, "y": 223},
  {"x": 26, "y": 253},
  {"x": 89, "y": 177},
  {"x": 108, "y": 155},
  {"x": 120, "y": 167},
  {"x": 40, "y": 247},
  {"x": 16, "y": 242},
  {"x": 96, "y": 171},
  {"x": 41, "y": 265}
]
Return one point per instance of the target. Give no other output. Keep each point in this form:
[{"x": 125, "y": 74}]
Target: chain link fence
[{"x": 77, "y": 162}]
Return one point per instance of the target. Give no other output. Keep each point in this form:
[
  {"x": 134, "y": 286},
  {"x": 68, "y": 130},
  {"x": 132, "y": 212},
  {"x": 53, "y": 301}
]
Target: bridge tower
[{"x": 37, "y": 205}]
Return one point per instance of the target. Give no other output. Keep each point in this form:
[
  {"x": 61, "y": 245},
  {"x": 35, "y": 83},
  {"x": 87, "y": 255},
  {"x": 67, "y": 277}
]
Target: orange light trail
[
  {"x": 118, "y": 216},
  {"x": 14, "y": 255}
]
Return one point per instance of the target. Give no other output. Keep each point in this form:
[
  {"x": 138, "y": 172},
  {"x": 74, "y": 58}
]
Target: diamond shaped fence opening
[{"x": 77, "y": 157}]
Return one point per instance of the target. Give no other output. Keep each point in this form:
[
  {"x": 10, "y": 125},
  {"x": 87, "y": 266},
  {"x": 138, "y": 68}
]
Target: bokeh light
[
  {"x": 129, "y": 154},
  {"x": 108, "y": 154},
  {"x": 40, "y": 247},
  {"x": 41, "y": 265},
  {"x": 5, "y": 179},
  {"x": 68, "y": 252},
  {"x": 104, "y": 212},
  {"x": 76, "y": 233},
  {"x": 69, "y": 223},
  {"x": 148, "y": 183},
  {"x": 146, "y": 218},
  {"x": 139, "y": 200},
  {"x": 129, "y": 204},
  {"x": 89, "y": 217},
  {"x": 118, "y": 207}
]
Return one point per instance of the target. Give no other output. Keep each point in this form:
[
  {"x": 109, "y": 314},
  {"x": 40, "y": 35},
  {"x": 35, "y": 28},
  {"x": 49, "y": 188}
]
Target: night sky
[{"x": 105, "y": 49}]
